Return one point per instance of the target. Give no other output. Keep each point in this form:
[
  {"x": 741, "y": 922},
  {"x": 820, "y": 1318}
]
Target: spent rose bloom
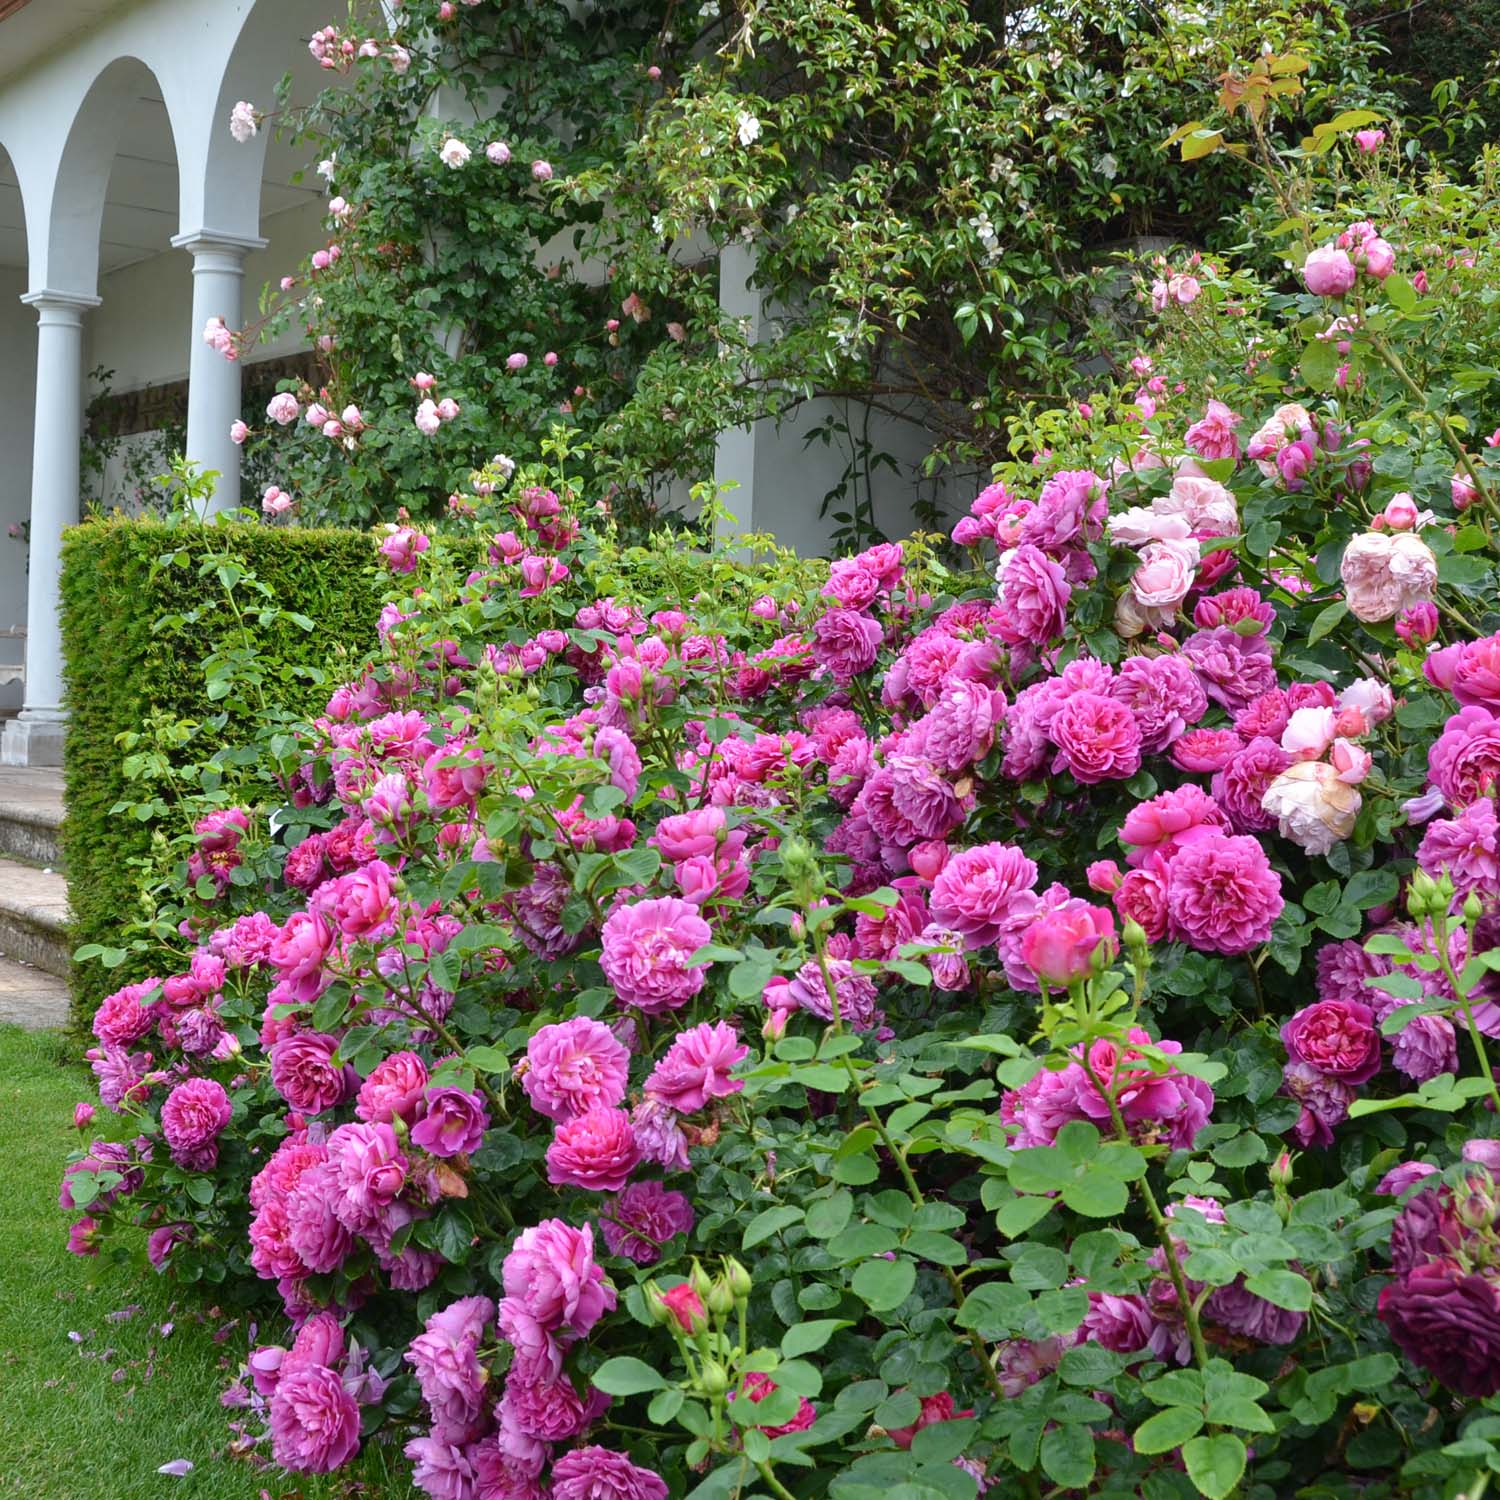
[
  {"x": 1384, "y": 573},
  {"x": 642, "y": 1219}
]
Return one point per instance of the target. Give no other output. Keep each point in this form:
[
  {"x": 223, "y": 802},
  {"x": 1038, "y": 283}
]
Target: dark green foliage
[{"x": 136, "y": 630}]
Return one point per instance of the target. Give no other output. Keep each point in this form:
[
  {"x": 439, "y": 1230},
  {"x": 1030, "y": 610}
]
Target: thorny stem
[
  {"x": 1393, "y": 363},
  {"x": 1159, "y": 1222},
  {"x": 1440, "y": 943}
]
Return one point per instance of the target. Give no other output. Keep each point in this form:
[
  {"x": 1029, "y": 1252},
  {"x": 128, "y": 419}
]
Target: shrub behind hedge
[{"x": 130, "y": 651}]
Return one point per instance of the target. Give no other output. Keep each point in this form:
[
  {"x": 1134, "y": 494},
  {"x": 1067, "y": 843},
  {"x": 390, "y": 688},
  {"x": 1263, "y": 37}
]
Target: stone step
[
  {"x": 32, "y": 997},
  {"x": 34, "y": 917},
  {"x": 31, "y": 814}
]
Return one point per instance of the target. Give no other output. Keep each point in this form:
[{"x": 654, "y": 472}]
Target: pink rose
[
  {"x": 1328, "y": 272},
  {"x": 1060, "y": 948},
  {"x": 1337, "y": 1037},
  {"x": 595, "y": 1150}
]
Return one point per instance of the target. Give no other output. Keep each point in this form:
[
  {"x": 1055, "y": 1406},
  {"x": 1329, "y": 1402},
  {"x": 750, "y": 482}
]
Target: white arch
[
  {"x": 65, "y": 243},
  {"x": 223, "y": 191}
]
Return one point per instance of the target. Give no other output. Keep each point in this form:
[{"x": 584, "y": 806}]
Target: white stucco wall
[
  {"x": 17, "y": 398},
  {"x": 143, "y": 328}
]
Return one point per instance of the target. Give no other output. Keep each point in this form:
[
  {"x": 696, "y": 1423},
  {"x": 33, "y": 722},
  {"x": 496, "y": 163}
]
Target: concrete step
[
  {"x": 31, "y": 814},
  {"x": 34, "y": 917},
  {"x": 31, "y": 997}
]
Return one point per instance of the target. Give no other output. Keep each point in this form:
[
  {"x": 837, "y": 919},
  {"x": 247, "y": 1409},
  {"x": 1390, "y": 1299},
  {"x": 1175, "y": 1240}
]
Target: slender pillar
[
  {"x": 36, "y": 737},
  {"x": 213, "y": 381}
]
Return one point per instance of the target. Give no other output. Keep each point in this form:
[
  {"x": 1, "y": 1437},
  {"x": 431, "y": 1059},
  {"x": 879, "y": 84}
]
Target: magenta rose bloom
[
  {"x": 1206, "y": 749},
  {"x": 1168, "y": 822},
  {"x": 1071, "y": 508},
  {"x": 454, "y": 1124},
  {"x": 1222, "y": 894},
  {"x": 596, "y": 1473},
  {"x": 1142, "y": 898},
  {"x": 1345, "y": 969},
  {"x": 1060, "y": 947},
  {"x": 1034, "y": 593},
  {"x": 1164, "y": 694},
  {"x": 394, "y": 1088},
  {"x": 647, "y": 946},
  {"x": 696, "y": 1067},
  {"x": 297, "y": 953},
  {"x": 551, "y": 1275},
  {"x": 442, "y": 1470},
  {"x": 362, "y": 902},
  {"x": 573, "y": 1066},
  {"x": 1325, "y": 1102},
  {"x": 1447, "y": 1321},
  {"x": 122, "y": 1019},
  {"x": 194, "y": 1115},
  {"x": 1466, "y": 847},
  {"x": 642, "y": 1219},
  {"x": 1097, "y": 739},
  {"x": 313, "y": 1230},
  {"x": 1464, "y": 762},
  {"x": 962, "y": 725},
  {"x": 1119, "y": 1321},
  {"x": 314, "y": 1422},
  {"x": 846, "y": 641},
  {"x": 305, "y": 1073},
  {"x": 370, "y": 1170},
  {"x": 982, "y": 890},
  {"x": 1337, "y": 1037},
  {"x": 445, "y": 1359},
  {"x": 1425, "y": 1047},
  {"x": 1240, "y": 787},
  {"x": 596, "y": 1150},
  {"x": 1234, "y": 669}
]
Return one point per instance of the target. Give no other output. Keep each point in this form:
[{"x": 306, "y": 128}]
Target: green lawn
[{"x": 90, "y": 1404}]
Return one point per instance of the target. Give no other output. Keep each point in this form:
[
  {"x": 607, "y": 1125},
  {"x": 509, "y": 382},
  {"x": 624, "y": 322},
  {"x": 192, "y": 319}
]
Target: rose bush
[{"x": 692, "y": 1027}]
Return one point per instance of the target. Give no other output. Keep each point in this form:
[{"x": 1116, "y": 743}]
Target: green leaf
[
  {"x": 1285, "y": 1288},
  {"x": 627, "y": 1376},
  {"x": 1400, "y": 293},
  {"x": 1068, "y": 1455},
  {"x": 1241, "y": 1412},
  {"x": 487, "y": 1059},
  {"x": 884, "y": 1284},
  {"x": 1327, "y": 618},
  {"x": 829, "y": 1216},
  {"x": 768, "y": 1222},
  {"x": 995, "y": 1310},
  {"x": 1096, "y": 1195},
  {"x": 1215, "y": 1464},
  {"x": 1167, "y": 1430},
  {"x": 807, "y": 1338},
  {"x": 1016, "y": 1217}
]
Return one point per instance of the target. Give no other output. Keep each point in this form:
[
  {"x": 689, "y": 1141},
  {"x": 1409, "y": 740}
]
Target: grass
[{"x": 97, "y": 1396}]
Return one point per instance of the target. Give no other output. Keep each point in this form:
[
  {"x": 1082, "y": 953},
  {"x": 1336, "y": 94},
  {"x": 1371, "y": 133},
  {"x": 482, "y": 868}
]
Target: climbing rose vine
[{"x": 689, "y": 1025}]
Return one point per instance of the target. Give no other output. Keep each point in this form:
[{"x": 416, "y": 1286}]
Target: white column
[
  {"x": 35, "y": 738},
  {"x": 213, "y": 381}
]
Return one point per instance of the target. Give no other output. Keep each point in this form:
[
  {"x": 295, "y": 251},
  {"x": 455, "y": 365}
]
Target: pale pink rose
[
  {"x": 238, "y": 432},
  {"x": 1285, "y": 425},
  {"x": 427, "y": 418},
  {"x": 1371, "y": 697},
  {"x": 283, "y": 408},
  {"x": 1139, "y": 525},
  {"x": 1308, "y": 733},
  {"x": 1314, "y": 808},
  {"x": 1328, "y": 272},
  {"x": 1165, "y": 574},
  {"x": 1209, "y": 507},
  {"x": 1384, "y": 574},
  {"x": 1351, "y": 762},
  {"x": 1369, "y": 141}
]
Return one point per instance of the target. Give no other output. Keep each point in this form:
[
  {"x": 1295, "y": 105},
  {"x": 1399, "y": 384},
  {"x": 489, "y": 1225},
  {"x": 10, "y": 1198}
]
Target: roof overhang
[{"x": 29, "y": 32}]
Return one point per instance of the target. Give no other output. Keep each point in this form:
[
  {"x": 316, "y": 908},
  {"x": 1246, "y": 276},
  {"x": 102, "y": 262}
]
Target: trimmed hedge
[{"x": 120, "y": 669}]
